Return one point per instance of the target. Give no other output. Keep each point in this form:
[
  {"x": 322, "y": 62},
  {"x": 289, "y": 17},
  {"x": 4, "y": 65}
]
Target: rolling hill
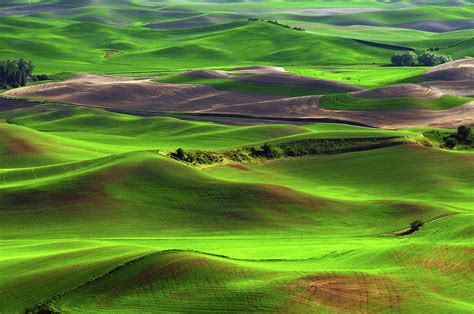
[{"x": 236, "y": 156}]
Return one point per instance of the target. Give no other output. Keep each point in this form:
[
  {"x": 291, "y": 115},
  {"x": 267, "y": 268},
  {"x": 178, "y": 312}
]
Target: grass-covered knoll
[
  {"x": 107, "y": 222},
  {"x": 365, "y": 76},
  {"x": 246, "y": 87},
  {"x": 348, "y": 102},
  {"x": 57, "y": 46},
  {"x": 95, "y": 217},
  {"x": 97, "y": 129},
  {"x": 110, "y": 37},
  {"x": 111, "y": 132},
  {"x": 372, "y": 175}
]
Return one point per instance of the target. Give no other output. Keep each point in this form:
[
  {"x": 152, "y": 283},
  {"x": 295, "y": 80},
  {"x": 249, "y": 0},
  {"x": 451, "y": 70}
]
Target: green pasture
[
  {"x": 348, "y": 102},
  {"x": 92, "y": 206},
  {"x": 96, "y": 217}
]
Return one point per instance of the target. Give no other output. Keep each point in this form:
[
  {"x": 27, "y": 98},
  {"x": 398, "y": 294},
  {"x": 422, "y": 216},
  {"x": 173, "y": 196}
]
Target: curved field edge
[
  {"x": 348, "y": 102},
  {"x": 163, "y": 279}
]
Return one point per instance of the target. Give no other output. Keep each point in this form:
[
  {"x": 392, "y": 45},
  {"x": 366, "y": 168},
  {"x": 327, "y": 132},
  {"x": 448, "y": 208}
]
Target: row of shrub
[
  {"x": 209, "y": 157},
  {"x": 411, "y": 58},
  {"x": 288, "y": 149},
  {"x": 275, "y": 22}
]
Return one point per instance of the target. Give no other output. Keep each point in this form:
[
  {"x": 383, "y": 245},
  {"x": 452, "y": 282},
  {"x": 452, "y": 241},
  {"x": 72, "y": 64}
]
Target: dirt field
[{"x": 143, "y": 95}]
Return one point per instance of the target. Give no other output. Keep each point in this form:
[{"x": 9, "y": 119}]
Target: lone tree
[
  {"x": 464, "y": 133},
  {"x": 180, "y": 154}
]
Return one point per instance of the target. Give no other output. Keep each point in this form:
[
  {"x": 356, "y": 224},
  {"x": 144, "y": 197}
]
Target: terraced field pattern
[{"x": 237, "y": 156}]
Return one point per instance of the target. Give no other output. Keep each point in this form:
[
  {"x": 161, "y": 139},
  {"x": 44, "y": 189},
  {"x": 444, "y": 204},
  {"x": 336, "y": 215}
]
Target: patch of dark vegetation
[
  {"x": 15, "y": 73},
  {"x": 411, "y": 58},
  {"x": 414, "y": 226},
  {"x": 198, "y": 157},
  {"x": 7, "y": 104},
  {"x": 41, "y": 309},
  {"x": 275, "y": 22},
  {"x": 385, "y": 46},
  {"x": 299, "y": 148},
  {"x": 62, "y": 76},
  {"x": 462, "y": 139},
  {"x": 41, "y": 77}
]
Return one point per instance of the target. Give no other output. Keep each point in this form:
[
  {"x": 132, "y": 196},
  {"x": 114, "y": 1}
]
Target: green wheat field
[{"x": 130, "y": 182}]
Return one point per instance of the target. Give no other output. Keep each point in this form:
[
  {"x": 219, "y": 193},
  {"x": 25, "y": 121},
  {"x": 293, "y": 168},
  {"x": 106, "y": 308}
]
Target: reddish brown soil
[
  {"x": 142, "y": 95},
  {"x": 18, "y": 146},
  {"x": 355, "y": 293}
]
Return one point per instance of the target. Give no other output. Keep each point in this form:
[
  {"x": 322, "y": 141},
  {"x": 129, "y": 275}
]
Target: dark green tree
[
  {"x": 409, "y": 58},
  {"x": 464, "y": 133},
  {"x": 444, "y": 59},
  {"x": 428, "y": 59}
]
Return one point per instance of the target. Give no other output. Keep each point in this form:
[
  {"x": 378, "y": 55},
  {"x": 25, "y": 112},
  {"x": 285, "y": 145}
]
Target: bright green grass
[
  {"x": 57, "y": 46},
  {"x": 348, "y": 102},
  {"x": 96, "y": 129},
  {"x": 84, "y": 193},
  {"x": 77, "y": 39},
  {"x": 74, "y": 228},
  {"x": 365, "y": 76}
]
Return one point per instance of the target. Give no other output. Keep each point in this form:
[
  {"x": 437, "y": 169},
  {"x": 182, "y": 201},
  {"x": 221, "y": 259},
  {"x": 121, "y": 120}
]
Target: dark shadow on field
[{"x": 11, "y": 104}]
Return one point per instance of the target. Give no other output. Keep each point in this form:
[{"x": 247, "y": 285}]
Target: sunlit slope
[
  {"x": 404, "y": 173},
  {"x": 112, "y": 224},
  {"x": 84, "y": 199},
  {"x": 308, "y": 274},
  {"x": 79, "y": 46},
  {"x": 24, "y": 147},
  {"x": 39, "y": 270},
  {"x": 103, "y": 130}
]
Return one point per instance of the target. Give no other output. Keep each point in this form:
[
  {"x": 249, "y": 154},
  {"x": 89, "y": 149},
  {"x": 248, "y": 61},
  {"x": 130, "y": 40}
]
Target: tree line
[
  {"x": 411, "y": 58},
  {"x": 15, "y": 73}
]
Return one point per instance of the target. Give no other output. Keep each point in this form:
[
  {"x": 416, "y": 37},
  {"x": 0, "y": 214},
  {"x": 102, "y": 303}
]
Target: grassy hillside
[
  {"x": 98, "y": 214},
  {"x": 56, "y": 46},
  {"x": 252, "y": 236}
]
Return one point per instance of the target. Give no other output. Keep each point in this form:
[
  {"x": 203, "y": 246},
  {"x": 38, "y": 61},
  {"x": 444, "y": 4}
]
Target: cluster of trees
[
  {"x": 275, "y": 22},
  {"x": 15, "y": 73},
  {"x": 411, "y": 58},
  {"x": 267, "y": 151},
  {"x": 463, "y": 136}
]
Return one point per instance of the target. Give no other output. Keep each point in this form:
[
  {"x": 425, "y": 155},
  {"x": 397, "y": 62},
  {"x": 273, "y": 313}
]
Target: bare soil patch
[
  {"x": 136, "y": 94},
  {"x": 355, "y": 292},
  {"x": 458, "y": 70},
  {"x": 318, "y": 11},
  {"x": 459, "y": 88},
  {"x": 142, "y": 95},
  {"x": 438, "y": 26}
]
